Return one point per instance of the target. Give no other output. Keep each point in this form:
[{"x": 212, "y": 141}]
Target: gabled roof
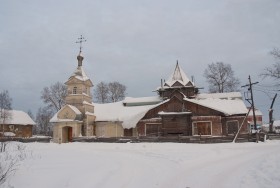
[
  {"x": 257, "y": 112},
  {"x": 178, "y": 76},
  {"x": 227, "y": 105},
  {"x": 18, "y": 118},
  {"x": 55, "y": 119}
]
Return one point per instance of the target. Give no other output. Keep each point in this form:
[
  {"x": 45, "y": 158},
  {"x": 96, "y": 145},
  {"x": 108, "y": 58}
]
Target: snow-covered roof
[
  {"x": 178, "y": 76},
  {"x": 55, "y": 119},
  {"x": 18, "y": 117},
  {"x": 276, "y": 123},
  {"x": 87, "y": 103},
  {"x": 75, "y": 109},
  {"x": 131, "y": 101},
  {"x": 257, "y": 112},
  {"x": 173, "y": 113},
  {"x": 230, "y": 95},
  {"x": 228, "y": 106},
  {"x": 129, "y": 115},
  {"x": 80, "y": 74}
]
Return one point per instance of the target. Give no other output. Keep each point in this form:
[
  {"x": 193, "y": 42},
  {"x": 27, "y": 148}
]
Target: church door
[{"x": 70, "y": 137}]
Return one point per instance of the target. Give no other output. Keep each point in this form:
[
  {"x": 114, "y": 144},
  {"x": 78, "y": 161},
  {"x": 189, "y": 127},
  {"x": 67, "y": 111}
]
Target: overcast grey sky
[{"x": 135, "y": 42}]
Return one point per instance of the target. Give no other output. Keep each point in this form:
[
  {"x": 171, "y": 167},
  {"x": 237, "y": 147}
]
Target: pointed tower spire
[
  {"x": 178, "y": 76},
  {"x": 80, "y": 57},
  {"x": 179, "y": 81}
]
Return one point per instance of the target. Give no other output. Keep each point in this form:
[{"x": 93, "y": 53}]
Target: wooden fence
[
  {"x": 26, "y": 140},
  {"x": 176, "y": 139},
  {"x": 160, "y": 139}
]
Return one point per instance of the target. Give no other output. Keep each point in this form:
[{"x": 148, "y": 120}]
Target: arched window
[{"x": 75, "y": 90}]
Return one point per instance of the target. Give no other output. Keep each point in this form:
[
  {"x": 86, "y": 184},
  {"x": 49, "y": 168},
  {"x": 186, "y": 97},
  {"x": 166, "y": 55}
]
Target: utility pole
[
  {"x": 252, "y": 100},
  {"x": 271, "y": 114}
]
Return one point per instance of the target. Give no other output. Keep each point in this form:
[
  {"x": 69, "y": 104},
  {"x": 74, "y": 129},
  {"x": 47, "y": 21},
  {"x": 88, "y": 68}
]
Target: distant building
[
  {"x": 259, "y": 120},
  {"x": 18, "y": 124},
  {"x": 177, "y": 110},
  {"x": 275, "y": 127}
]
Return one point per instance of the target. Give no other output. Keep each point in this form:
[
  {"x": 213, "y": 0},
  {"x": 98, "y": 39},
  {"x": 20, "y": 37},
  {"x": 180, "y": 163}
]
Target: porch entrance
[{"x": 67, "y": 134}]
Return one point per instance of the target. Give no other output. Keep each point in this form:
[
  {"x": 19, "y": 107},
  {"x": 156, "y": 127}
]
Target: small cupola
[{"x": 80, "y": 59}]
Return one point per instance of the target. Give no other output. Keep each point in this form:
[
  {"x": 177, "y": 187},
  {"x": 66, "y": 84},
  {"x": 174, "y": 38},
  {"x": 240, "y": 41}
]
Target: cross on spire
[{"x": 81, "y": 40}]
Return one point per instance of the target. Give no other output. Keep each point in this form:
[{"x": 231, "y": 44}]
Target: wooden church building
[{"x": 178, "y": 109}]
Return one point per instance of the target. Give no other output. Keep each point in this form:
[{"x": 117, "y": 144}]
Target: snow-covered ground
[{"x": 133, "y": 165}]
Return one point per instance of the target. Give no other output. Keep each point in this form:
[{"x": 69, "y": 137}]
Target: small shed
[{"x": 17, "y": 124}]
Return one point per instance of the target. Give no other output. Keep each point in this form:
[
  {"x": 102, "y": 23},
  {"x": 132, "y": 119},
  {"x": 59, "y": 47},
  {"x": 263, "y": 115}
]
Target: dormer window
[{"x": 74, "y": 90}]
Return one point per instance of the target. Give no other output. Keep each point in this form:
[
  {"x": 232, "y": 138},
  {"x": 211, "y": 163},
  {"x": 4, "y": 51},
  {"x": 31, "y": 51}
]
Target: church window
[{"x": 75, "y": 90}]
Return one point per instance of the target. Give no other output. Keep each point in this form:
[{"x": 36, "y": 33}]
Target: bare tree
[
  {"x": 116, "y": 91},
  {"x": 274, "y": 70},
  {"x": 5, "y": 108},
  {"x": 101, "y": 92},
  {"x": 220, "y": 78},
  {"x": 43, "y": 117},
  {"x": 54, "y": 96},
  {"x": 33, "y": 118},
  {"x": 111, "y": 92}
]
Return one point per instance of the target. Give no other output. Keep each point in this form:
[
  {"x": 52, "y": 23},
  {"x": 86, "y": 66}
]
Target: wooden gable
[
  {"x": 175, "y": 104},
  {"x": 177, "y": 84},
  {"x": 178, "y": 94},
  {"x": 189, "y": 84}
]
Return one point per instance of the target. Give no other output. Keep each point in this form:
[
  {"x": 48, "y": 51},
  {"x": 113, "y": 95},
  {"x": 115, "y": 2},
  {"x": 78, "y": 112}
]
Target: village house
[
  {"x": 178, "y": 109},
  {"x": 16, "y": 124}
]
